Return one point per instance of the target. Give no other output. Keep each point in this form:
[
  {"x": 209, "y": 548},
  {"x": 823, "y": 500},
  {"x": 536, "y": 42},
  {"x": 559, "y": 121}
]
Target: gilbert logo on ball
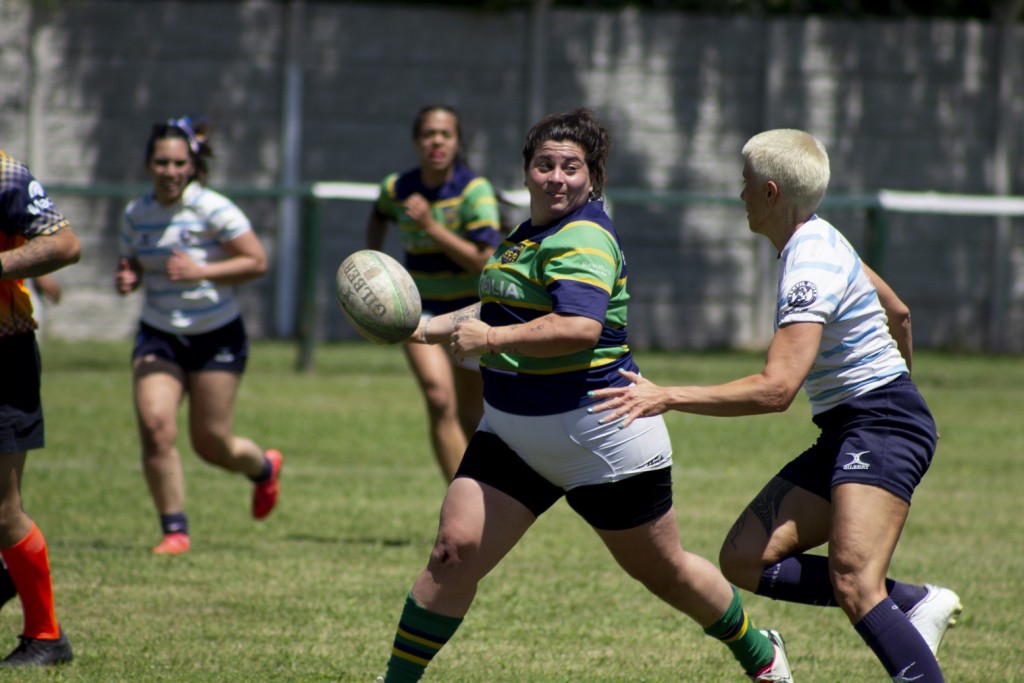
[{"x": 378, "y": 297}]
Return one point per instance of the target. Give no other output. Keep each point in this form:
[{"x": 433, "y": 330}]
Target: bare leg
[
  {"x": 211, "y": 420},
  {"x": 469, "y": 392},
  {"x": 433, "y": 371},
  {"x": 159, "y": 388},
  {"x": 652, "y": 555},
  {"x": 479, "y": 525},
  {"x": 781, "y": 521}
]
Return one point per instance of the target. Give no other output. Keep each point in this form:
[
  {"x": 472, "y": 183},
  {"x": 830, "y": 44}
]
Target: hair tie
[{"x": 184, "y": 124}]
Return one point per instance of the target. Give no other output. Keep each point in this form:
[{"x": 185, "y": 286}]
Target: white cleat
[
  {"x": 779, "y": 671},
  {"x": 937, "y": 612}
]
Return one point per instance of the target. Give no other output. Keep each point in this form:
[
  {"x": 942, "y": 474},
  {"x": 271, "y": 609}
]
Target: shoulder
[
  {"x": 469, "y": 181},
  {"x": 588, "y": 228},
  {"x": 818, "y": 240},
  {"x": 206, "y": 202},
  {"x": 25, "y": 207},
  {"x": 401, "y": 185},
  {"x": 198, "y": 195},
  {"x": 590, "y": 219},
  {"x": 15, "y": 177},
  {"x": 139, "y": 205},
  {"x": 9, "y": 163},
  {"x": 479, "y": 187},
  {"x": 215, "y": 210}
]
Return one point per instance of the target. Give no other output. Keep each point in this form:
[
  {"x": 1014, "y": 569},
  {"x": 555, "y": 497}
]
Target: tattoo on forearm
[{"x": 464, "y": 314}]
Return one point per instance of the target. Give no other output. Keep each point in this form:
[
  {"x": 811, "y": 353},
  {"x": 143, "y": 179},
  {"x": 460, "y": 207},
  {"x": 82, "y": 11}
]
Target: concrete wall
[{"x": 907, "y": 105}]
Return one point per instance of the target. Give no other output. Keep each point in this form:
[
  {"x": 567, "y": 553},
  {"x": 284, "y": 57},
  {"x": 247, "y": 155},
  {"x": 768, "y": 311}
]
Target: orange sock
[{"x": 29, "y": 565}]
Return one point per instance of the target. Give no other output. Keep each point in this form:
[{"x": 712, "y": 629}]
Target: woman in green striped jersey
[
  {"x": 448, "y": 222},
  {"x": 550, "y": 328}
]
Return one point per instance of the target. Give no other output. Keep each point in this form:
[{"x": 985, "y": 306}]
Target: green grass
[{"x": 313, "y": 593}]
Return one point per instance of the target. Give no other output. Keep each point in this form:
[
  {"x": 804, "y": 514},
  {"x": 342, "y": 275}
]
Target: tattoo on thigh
[
  {"x": 766, "y": 504},
  {"x": 736, "y": 530}
]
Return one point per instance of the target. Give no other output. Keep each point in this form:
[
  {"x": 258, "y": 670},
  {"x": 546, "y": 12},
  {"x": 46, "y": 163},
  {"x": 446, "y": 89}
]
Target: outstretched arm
[
  {"x": 548, "y": 336},
  {"x": 790, "y": 357}
]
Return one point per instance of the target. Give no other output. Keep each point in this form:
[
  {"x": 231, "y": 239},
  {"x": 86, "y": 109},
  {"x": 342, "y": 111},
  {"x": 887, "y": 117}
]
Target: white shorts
[{"x": 571, "y": 449}]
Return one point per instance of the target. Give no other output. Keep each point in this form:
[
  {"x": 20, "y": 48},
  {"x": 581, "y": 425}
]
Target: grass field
[{"x": 313, "y": 593}]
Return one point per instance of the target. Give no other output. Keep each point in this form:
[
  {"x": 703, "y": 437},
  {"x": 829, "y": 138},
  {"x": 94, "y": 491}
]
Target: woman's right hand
[
  {"x": 126, "y": 280},
  {"x": 469, "y": 339}
]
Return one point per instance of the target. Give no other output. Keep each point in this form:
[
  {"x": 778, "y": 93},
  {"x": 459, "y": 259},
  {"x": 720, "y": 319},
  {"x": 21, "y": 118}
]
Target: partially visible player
[
  {"x": 844, "y": 336},
  {"x": 449, "y": 225},
  {"x": 188, "y": 246},
  {"x": 35, "y": 239}
]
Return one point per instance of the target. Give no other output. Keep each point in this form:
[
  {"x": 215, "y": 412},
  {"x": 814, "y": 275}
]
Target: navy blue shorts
[
  {"x": 21, "y": 409},
  {"x": 616, "y": 506},
  {"x": 224, "y": 349},
  {"x": 884, "y": 438}
]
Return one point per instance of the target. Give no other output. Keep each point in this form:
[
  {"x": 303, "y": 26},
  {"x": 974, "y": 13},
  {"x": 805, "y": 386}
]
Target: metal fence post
[
  {"x": 876, "y": 237},
  {"x": 307, "y": 318}
]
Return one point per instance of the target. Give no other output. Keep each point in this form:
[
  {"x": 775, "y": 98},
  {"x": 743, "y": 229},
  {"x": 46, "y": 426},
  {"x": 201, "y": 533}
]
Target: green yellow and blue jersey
[
  {"x": 574, "y": 266},
  {"x": 467, "y": 206}
]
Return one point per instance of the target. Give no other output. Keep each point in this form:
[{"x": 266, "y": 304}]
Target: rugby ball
[{"x": 378, "y": 296}]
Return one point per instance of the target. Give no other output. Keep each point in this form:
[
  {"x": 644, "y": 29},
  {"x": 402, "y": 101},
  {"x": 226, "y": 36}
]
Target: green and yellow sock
[
  {"x": 421, "y": 634},
  {"x": 750, "y": 647}
]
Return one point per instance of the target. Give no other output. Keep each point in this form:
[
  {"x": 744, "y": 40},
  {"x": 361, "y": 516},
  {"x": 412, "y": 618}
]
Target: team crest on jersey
[
  {"x": 38, "y": 201},
  {"x": 188, "y": 238},
  {"x": 450, "y": 215},
  {"x": 512, "y": 255},
  {"x": 802, "y": 294}
]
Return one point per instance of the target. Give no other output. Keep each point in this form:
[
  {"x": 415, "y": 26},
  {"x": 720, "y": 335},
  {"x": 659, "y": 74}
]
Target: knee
[
  {"x": 855, "y": 592},
  {"x": 440, "y": 402},
  {"x": 158, "y": 434},
  {"x": 662, "y": 581},
  {"x": 845, "y": 587},
  {"x": 729, "y": 560},
  {"x": 740, "y": 566},
  {"x": 212, "y": 448},
  {"x": 452, "y": 559}
]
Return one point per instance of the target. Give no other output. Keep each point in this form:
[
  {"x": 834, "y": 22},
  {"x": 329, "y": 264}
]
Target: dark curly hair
[{"x": 578, "y": 126}]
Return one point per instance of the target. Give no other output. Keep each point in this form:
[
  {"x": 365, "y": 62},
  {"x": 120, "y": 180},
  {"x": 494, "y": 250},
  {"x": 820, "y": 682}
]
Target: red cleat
[
  {"x": 173, "y": 544},
  {"x": 264, "y": 496}
]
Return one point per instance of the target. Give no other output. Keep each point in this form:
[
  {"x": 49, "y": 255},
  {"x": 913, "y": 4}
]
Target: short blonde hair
[{"x": 795, "y": 160}]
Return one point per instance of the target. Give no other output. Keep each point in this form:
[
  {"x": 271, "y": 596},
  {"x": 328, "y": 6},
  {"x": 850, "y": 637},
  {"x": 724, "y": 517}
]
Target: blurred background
[{"x": 919, "y": 103}]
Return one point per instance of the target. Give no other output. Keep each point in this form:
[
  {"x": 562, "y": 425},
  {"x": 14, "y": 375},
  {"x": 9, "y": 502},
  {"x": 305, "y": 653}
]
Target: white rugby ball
[{"x": 378, "y": 296}]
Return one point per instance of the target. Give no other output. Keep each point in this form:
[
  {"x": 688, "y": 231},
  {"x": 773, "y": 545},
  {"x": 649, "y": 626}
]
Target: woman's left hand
[
  {"x": 469, "y": 339},
  {"x": 182, "y": 268},
  {"x": 642, "y": 398}
]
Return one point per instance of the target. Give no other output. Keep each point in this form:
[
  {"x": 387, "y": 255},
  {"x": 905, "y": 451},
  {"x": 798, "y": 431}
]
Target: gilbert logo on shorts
[
  {"x": 855, "y": 461},
  {"x": 225, "y": 355}
]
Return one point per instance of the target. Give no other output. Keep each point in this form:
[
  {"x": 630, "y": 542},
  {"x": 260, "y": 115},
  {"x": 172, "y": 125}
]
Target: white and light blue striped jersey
[
  {"x": 199, "y": 225},
  {"x": 822, "y": 281}
]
